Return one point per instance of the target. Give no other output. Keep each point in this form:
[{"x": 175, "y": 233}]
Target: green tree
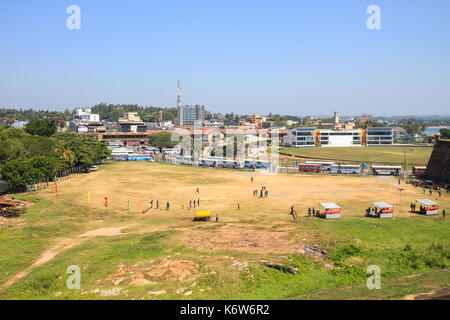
[
  {"x": 445, "y": 133},
  {"x": 162, "y": 140},
  {"x": 41, "y": 127},
  {"x": 412, "y": 128}
]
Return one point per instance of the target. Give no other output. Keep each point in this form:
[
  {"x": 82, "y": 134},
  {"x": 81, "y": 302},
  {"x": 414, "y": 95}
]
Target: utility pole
[{"x": 404, "y": 163}]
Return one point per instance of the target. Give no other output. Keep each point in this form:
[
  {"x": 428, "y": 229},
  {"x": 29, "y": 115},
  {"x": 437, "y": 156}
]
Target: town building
[
  {"x": 187, "y": 115},
  {"x": 84, "y": 121},
  {"x": 311, "y": 137},
  {"x": 379, "y": 136},
  {"x": 131, "y": 122}
]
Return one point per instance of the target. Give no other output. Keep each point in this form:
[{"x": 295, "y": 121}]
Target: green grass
[
  {"x": 414, "y": 155},
  {"x": 404, "y": 245}
]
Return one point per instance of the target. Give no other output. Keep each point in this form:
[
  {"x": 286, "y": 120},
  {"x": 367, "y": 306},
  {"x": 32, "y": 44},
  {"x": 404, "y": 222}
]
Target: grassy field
[
  {"x": 414, "y": 155},
  {"x": 163, "y": 254}
]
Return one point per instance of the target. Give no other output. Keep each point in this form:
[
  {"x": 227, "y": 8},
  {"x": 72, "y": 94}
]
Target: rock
[
  {"x": 111, "y": 292},
  {"x": 181, "y": 290},
  {"x": 188, "y": 293},
  {"x": 328, "y": 266},
  {"x": 157, "y": 292},
  {"x": 293, "y": 270}
]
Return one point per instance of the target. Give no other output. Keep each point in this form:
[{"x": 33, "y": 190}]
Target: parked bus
[
  {"x": 346, "y": 169},
  {"x": 304, "y": 167},
  {"x": 234, "y": 164},
  {"x": 209, "y": 162},
  {"x": 326, "y": 165},
  {"x": 387, "y": 170},
  {"x": 419, "y": 171},
  {"x": 184, "y": 160},
  {"x": 257, "y": 163}
]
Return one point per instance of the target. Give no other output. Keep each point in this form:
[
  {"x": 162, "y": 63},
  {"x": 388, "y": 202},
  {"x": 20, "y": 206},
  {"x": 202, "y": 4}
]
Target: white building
[
  {"x": 83, "y": 119},
  {"x": 310, "y": 137}
]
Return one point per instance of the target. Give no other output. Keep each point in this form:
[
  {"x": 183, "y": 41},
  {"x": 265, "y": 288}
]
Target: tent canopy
[
  {"x": 330, "y": 205},
  {"x": 381, "y": 205},
  {"x": 427, "y": 202}
]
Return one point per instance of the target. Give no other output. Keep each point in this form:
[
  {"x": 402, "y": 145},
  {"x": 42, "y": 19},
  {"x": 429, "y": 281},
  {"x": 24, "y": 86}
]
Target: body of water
[{"x": 432, "y": 131}]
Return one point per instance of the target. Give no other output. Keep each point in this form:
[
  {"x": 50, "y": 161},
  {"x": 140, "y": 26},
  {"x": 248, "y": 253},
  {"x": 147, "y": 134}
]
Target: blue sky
[{"x": 289, "y": 57}]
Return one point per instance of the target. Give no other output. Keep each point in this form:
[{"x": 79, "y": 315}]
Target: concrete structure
[
  {"x": 379, "y": 136},
  {"x": 310, "y": 137},
  {"x": 340, "y": 138},
  {"x": 187, "y": 115},
  {"x": 84, "y": 121},
  {"x": 438, "y": 168},
  {"x": 399, "y": 132},
  {"x": 131, "y": 122},
  {"x": 336, "y": 118}
]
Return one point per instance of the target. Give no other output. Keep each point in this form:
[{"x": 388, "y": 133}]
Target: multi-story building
[
  {"x": 84, "y": 121},
  {"x": 310, "y": 137},
  {"x": 340, "y": 138},
  {"x": 187, "y": 115},
  {"x": 131, "y": 122},
  {"x": 302, "y": 137},
  {"x": 379, "y": 136}
]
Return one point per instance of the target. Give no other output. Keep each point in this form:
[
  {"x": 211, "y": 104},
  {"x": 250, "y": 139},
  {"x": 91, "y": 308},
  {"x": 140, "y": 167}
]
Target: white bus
[
  {"x": 387, "y": 170},
  {"x": 184, "y": 160},
  {"x": 346, "y": 169}
]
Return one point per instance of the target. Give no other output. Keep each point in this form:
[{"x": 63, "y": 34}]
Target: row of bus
[
  {"x": 219, "y": 162},
  {"x": 337, "y": 168}
]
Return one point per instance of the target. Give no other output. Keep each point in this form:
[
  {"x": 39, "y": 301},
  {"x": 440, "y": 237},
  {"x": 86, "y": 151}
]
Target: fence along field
[{"x": 163, "y": 254}]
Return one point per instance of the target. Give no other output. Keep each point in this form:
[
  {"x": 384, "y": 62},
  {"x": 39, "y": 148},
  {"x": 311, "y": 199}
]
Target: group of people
[
  {"x": 192, "y": 203},
  {"x": 157, "y": 205},
  {"x": 373, "y": 212},
  {"x": 263, "y": 193},
  {"x": 314, "y": 212}
]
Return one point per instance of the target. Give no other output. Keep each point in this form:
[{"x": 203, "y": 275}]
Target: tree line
[
  {"x": 37, "y": 152},
  {"x": 112, "y": 112}
]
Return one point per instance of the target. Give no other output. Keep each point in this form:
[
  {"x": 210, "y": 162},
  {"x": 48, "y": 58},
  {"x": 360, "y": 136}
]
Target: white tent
[
  {"x": 385, "y": 210},
  {"x": 431, "y": 207}
]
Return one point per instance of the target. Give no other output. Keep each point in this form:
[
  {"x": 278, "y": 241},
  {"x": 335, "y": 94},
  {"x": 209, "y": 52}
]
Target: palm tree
[{"x": 66, "y": 154}]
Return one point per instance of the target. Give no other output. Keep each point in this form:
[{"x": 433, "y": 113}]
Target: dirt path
[
  {"x": 436, "y": 294},
  {"x": 58, "y": 247},
  {"x": 439, "y": 294}
]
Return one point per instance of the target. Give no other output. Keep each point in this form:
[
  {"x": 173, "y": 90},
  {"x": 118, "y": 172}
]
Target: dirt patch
[
  {"x": 103, "y": 232},
  {"x": 179, "y": 270},
  {"x": 145, "y": 272},
  {"x": 59, "y": 246},
  {"x": 231, "y": 237},
  {"x": 13, "y": 208},
  {"x": 439, "y": 294}
]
